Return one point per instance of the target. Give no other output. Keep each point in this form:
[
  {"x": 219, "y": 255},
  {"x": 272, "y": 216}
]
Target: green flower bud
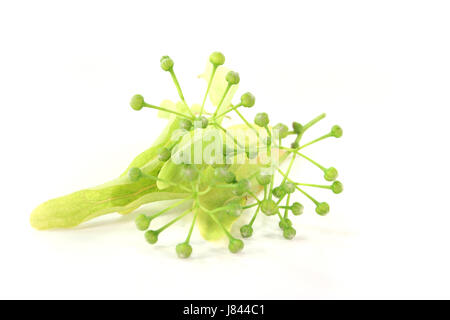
[
  {"x": 151, "y": 236},
  {"x": 269, "y": 207},
  {"x": 137, "y": 102},
  {"x": 297, "y": 209},
  {"x": 183, "y": 250},
  {"x": 232, "y": 77},
  {"x": 285, "y": 223},
  {"x": 289, "y": 233},
  {"x": 166, "y": 63},
  {"x": 294, "y": 145},
  {"x": 336, "y": 131},
  {"x": 263, "y": 178},
  {"x": 279, "y": 192},
  {"x": 217, "y": 58},
  {"x": 288, "y": 187},
  {"x": 134, "y": 174},
  {"x": 246, "y": 231},
  {"x": 234, "y": 208},
  {"x": 164, "y": 154},
  {"x": 224, "y": 175},
  {"x": 281, "y": 130},
  {"x": 330, "y": 174},
  {"x": 337, "y": 187},
  {"x": 235, "y": 245},
  {"x": 190, "y": 172},
  {"x": 242, "y": 187},
  {"x": 262, "y": 119},
  {"x": 298, "y": 128},
  {"x": 201, "y": 122},
  {"x": 142, "y": 222},
  {"x": 248, "y": 100},
  {"x": 322, "y": 208},
  {"x": 186, "y": 124}
]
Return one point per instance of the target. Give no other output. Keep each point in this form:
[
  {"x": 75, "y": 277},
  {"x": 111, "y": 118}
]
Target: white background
[{"x": 380, "y": 69}]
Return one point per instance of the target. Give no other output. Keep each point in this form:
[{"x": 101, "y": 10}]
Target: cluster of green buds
[{"x": 220, "y": 193}]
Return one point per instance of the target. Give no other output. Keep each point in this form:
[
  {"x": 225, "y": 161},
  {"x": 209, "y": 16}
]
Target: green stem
[
  {"x": 309, "y": 125},
  {"x": 191, "y": 228},
  {"x": 167, "y": 110},
  {"x": 210, "y": 213},
  {"x": 246, "y": 122},
  {"x": 164, "y": 227},
  {"x": 228, "y": 111},
  {"x": 254, "y": 216},
  {"x": 298, "y": 188},
  {"x": 316, "y": 140},
  {"x": 313, "y": 121},
  {"x": 281, "y": 199},
  {"x": 289, "y": 168},
  {"x": 180, "y": 93},
  {"x": 250, "y": 205},
  {"x": 169, "y": 208},
  {"x": 254, "y": 196},
  {"x": 221, "y": 101},
  {"x": 230, "y": 135},
  {"x": 269, "y": 134},
  {"x": 271, "y": 185},
  {"x": 311, "y": 160},
  {"x": 209, "y": 87},
  {"x": 308, "y": 196},
  {"x": 279, "y": 215},
  {"x": 286, "y": 209},
  {"x": 201, "y": 193},
  {"x": 313, "y": 185}
]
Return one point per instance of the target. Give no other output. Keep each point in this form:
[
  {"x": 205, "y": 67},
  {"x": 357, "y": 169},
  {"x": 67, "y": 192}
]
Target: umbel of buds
[
  {"x": 248, "y": 179},
  {"x": 201, "y": 180}
]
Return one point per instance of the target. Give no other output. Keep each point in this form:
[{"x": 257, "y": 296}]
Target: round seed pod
[
  {"x": 262, "y": 119},
  {"x": 183, "y": 250},
  {"x": 248, "y": 100},
  {"x": 166, "y": 63},
  {"x": 217, "y": 58},
  {"x": 297, "y": 209},
  {"x": 269, "y": 207},
  {"x": 330, "y": 174},
  {"x": 246, "y": 231},
  {"x": 137, "y": 102},
  {"x": 142, "y": 222},
  {"x": 289, "y": 233},
  {"x": 151, "y": 236},
  {"x": 134, "y": 174},
  {"x": 235, "y": 245},
  {"x": 322, "y": 208}
]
